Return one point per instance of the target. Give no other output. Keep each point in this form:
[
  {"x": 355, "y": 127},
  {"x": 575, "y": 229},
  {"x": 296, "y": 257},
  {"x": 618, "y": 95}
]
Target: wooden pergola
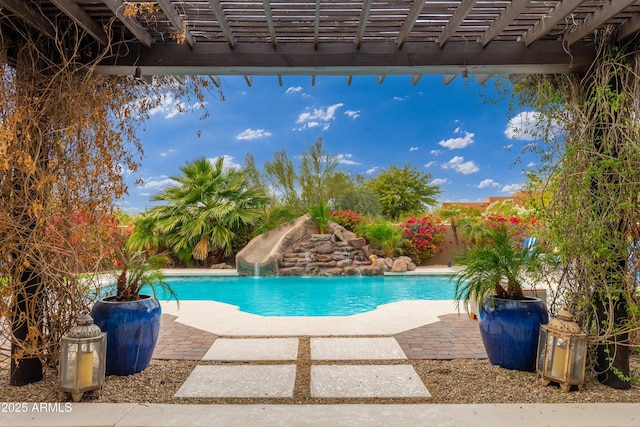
[{"x": 335, "y": 37}]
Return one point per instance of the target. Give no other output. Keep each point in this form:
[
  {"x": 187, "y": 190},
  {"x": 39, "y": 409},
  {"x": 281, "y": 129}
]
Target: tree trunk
[
  {"x": 612, "y": 363},
  {"x": 26, "y": 368}
]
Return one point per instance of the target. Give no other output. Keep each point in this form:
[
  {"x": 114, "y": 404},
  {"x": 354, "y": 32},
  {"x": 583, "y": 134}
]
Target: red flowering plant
[
  {"x": 83, "y": 240},
  {"x": 346, "y": 218},
  {"x": 520, "y": 228},
  {"x": 422, "y": 237}
]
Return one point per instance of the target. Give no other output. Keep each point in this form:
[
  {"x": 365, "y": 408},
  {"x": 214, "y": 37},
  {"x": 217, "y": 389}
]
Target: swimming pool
[{"x": 310, "y": 296}]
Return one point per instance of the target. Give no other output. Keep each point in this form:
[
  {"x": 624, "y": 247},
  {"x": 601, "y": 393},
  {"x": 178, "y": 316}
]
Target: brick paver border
[
  {"x": 178, "y": 341},
  {"x": 455, "y": 336}
]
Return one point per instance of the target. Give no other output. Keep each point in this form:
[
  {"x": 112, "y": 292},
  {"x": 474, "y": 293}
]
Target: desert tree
[{"x": 67, "y": 135}]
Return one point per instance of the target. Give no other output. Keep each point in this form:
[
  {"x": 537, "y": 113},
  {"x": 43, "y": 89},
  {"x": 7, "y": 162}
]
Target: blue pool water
[{"x": 310, "y": 296}]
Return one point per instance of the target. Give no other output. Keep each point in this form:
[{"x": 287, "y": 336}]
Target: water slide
[{"x": 262, "y": 253}]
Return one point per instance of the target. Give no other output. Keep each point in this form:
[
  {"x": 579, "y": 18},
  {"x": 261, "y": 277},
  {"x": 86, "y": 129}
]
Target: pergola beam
[
  {"x": 448, "y": 78},
  {"x": 414, "y": 12},
  {"x": 550, "y": 20},
  {"x": 630, "y": 27},
  {"x": 272, "y": 31},
  {"x": 506, "y": 17},
  {"x": 216, "y": 8},
  {"x": 316, "y": 25},
  {"x": 175, "y": 19},
  {"x": 215, "y": 80},
  {"x": 30, "y": 16},
  {"x": 80, "y": 17},
  {"x": 142, "y": 35},
  {"x": 482, "y": 78},
  {"x": 597, "y": 18},
  {"x": 373, "y": 58},
  {"x": 458, "y": 16},
  {"x": 362, "y": 23}
]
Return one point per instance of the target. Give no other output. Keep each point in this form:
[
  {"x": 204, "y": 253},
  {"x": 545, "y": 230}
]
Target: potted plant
[
  {"x": 131, "y": 319},
  {"x": 494, "y": 274}
]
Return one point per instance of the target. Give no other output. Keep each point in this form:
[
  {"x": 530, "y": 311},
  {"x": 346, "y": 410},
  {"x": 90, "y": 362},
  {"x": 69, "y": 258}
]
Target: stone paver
[
  {"x": 239, "y": 381},
  {"x": 356, "y": 349},
  {"x": 247, "y": 349},
  {"x": 344, "y": 381}
]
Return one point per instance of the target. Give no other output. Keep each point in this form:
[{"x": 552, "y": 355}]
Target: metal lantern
[
  {"x": 82, "y": 359},
  {"x": 562, "y": 352}
]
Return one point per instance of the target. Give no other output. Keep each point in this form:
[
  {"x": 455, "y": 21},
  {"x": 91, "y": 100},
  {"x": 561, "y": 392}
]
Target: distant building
[{"x": 518, "y": 200}]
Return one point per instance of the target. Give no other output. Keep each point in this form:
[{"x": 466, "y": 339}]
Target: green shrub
[
  {"x": 320, "y": 214},
  {"x": 381, "y": 235}
]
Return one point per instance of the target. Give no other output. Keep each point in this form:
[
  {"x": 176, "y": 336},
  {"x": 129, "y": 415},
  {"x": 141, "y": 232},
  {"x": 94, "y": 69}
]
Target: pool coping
[
  {"x": 387, "y": 319},
  {"x": 419, "y": 271}
]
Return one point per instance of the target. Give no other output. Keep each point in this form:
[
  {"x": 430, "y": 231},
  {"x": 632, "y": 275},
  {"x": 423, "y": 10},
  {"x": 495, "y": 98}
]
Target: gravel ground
[{"x": 448, "y": 381}]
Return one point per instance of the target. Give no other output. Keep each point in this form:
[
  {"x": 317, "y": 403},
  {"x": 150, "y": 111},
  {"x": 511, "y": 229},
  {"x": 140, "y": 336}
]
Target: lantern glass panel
[
  {"x": 542, "y": 348},
  {"x": 556, "y": 358},
  {"x": 578, "y": 350},
  {"x": 81, "y": 364},
  {"x": 68, "y": 363}
]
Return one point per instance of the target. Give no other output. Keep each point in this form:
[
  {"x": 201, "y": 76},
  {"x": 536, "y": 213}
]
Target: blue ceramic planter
[
  {"x": 132, "y": 329},
  {"x": 509, "y": 330}
]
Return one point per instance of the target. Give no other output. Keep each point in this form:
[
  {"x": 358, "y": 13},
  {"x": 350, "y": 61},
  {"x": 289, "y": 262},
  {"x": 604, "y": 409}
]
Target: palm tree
[
  {"x": 473, "y": 230},
  {"x": 205, "y": 208}
]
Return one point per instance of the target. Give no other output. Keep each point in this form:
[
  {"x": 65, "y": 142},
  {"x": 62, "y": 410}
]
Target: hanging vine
[
  {"x": 67, "y": 136},
  {"x": 590, "y": 163}
]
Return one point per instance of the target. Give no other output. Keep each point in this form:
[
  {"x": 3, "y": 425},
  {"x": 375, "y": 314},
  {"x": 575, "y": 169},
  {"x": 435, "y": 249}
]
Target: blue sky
[{"x": 450, "y": 132}]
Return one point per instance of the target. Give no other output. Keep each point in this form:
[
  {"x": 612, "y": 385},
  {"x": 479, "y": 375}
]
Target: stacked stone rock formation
[
  {"x": 325, "y": 255},
  {"x": 296, "y": 249}
]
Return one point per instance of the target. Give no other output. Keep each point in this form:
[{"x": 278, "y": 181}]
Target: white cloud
[
  {"x": 250, "y": 134},
  {"x": 318, "y": 116},
  {"x": 372, "y": 170},
  {"x": 292, "y": 90},
  {"x": 439, "y": 181},
  {"x": 459, "y": 165},
  {"x": 400, "y": 99},
  {"x": 530, "y": 126},
  {"x": 354, "y": 114},
  {"x": 461, "y": 142},
  {"x": 488, "y": 183},
  {"x": 158, "y": 183},
  {"x": 323, "y": 114},
  {"x": 344, "y": 159},
  {"x": 429, "y": 164},
  {"x": 457, "y": 130},
  {"x": 513, "y": 188},
  {"x": 435, "y": 152},
  {"x": 414, "y": 148},
  {"x": 170, "y": 107},
  {"x": 168, "y": 152},
  {"x": 227, "y": 162},
  {"x": 531, "y": 165},
  {"x": 167, "y": 106}
]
